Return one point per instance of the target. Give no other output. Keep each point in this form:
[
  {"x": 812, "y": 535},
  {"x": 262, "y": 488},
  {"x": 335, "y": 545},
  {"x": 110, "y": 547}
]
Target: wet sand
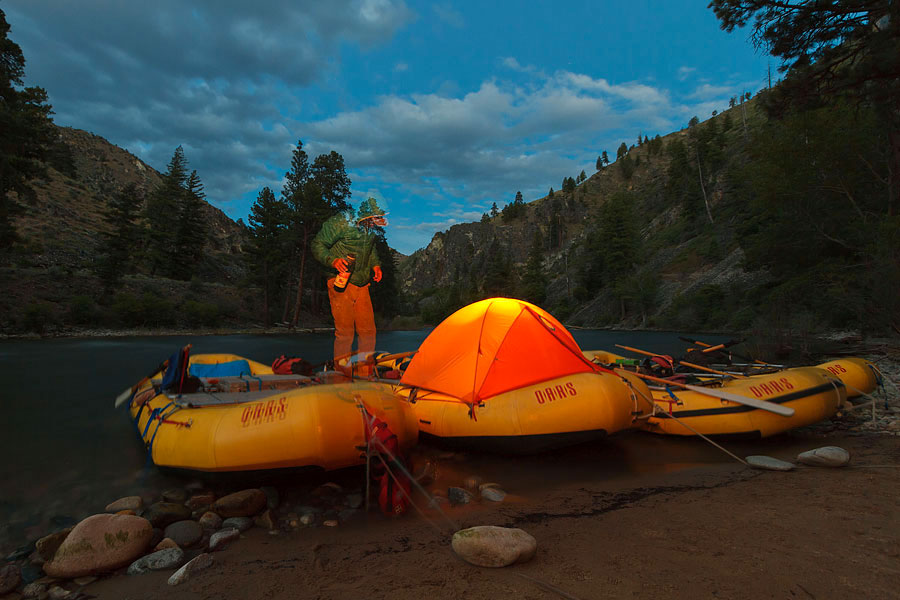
[{"x": 609, "y": 524}]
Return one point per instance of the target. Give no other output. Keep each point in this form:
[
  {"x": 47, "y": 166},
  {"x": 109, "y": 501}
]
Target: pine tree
[
  {"x": 162, "y": 214},
  {"x": 622, "y": 151},
  {"x": 26, "y": 133},
  {"x": 599, "y": 165},
  {"x": 494, "y": 210},
  {"x": 605, "y": 157},
  {"x": 118, "y": 244},
  {"x": 266, "y": 251},
  {"x": 191, "y": 230},
  {"x": 313, "y": 194},
  {"x": 582, "y": 177}
]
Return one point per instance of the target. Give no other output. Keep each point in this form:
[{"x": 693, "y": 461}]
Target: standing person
[{"x": 346, "y": 243}]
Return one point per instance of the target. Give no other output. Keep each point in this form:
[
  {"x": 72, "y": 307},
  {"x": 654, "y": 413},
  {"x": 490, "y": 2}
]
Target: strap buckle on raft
[{"x": 675, "y": 399}]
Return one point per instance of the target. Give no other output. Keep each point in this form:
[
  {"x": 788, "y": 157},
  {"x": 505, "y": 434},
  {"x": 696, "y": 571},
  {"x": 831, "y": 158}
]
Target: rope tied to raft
[{"x": 656, "y": 409}]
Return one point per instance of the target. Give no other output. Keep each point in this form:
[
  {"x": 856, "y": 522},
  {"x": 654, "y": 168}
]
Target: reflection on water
[{"x": 67, "y": 453}]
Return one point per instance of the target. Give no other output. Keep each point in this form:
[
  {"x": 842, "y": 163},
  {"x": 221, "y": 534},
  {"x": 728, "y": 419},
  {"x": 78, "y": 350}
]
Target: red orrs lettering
[
  {"x": 557, "y": 392},
  {"x": 771, "y": 387},
  {"x": 264, "y": 412}
]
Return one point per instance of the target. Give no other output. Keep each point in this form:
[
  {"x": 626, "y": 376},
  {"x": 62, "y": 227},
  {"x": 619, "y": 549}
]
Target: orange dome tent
[{"x": 494, "y": 346}]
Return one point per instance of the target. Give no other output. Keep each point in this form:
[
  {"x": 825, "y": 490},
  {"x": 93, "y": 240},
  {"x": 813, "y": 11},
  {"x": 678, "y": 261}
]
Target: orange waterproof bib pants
[{"x": 352, "y": 311}]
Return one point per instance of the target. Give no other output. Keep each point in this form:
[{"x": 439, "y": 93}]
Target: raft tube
[
  {"x": 564, "y": 411},
  {"x": 813, "y": 393},
  {"x": 259, "y": 420}
]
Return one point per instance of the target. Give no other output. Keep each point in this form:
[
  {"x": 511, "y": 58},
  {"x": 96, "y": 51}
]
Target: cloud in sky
[{"x": 238, "y": 86}]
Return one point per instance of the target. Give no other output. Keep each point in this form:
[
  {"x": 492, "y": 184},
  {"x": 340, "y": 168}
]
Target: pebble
[
  {"x": 176, "y": 495},
  {"x": 210, "y": 520},
  {"x": 57, "y": 593},
  {"x": 490, "y": 546},
  {"x": 240, "y": 523},
  {"x": 266, "y": 520},
  {"x": 472, "y": 483},
  {"x": 826, "y": 456},
  {"x": 459, "y": 496},
  {"x": 162, "y": 514},
  {"x": 767, "y": 462},
  {"x": 245, "y": 503},
  {"x": 199, "y": 563},
  {"x": 330, "y": 523},
  {"x": 47, "y": 545},
  {"x": 10, "y": 577},
  {"x": 169, "y": 558},
  {"x": 354, "y": 500},
  {"x": 34, "y": 590},
  {"x": 200, "y": 500},
  {"x": 222, "y": 537},
  {"x": 493, "y": 494},
  {"x": 126, "y": 503},
  {"x": 184, "y": 533},
  {"x": 86, "y": 580},
  {"x": 165, "y": 543}
]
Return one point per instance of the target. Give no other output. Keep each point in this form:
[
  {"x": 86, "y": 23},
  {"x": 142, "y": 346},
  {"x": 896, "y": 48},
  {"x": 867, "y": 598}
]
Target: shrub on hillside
[{"x": 37, "y": 317}]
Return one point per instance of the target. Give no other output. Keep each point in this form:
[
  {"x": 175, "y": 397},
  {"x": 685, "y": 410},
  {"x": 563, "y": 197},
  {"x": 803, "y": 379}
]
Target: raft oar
[
  {"x": 630, "y": 349},
  {"x": 778, "y": 409},
  {"x": 128, "y": 393},
  {"x": 709, "y": 347},
  {"x": 693, "y": 366}
]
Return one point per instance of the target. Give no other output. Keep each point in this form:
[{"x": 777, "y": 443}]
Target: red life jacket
[
  {"x": 393, "y": 495},
  {"x": 292, "y": 366}
]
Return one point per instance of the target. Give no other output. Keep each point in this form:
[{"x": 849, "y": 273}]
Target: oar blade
[
  {"x": 121, "y": 398},
  {"x": 778, "y": 409}
]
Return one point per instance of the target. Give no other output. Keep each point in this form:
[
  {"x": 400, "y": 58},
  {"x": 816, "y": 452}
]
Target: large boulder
[
  {"x": 100, "y": 543},
  {"x": 245, "y": 503},
  {"x": 490, "y": 546}
]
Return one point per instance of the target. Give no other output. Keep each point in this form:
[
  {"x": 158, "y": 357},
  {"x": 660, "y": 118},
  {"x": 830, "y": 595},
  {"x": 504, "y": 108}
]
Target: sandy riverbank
[{"x": 715, "y": 529}]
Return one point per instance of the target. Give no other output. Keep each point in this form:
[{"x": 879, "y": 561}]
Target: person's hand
[
  {"x": 340, "y": 264},
  {"x": 376, "y": 276}
]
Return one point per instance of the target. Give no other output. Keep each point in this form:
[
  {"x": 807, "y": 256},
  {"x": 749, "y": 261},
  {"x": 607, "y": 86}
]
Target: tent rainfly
[{"x": 494, "y": 346}]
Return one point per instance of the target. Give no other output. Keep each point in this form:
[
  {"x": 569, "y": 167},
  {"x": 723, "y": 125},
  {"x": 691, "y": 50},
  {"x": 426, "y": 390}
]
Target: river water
[{"x": 66, "y": 452}]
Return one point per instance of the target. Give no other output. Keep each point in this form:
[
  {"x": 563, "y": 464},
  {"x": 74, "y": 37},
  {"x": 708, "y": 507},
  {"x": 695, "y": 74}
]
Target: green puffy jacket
[{"x": 340, "y": 237}]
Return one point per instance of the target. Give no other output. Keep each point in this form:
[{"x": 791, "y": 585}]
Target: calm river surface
[{"x": 65, "y": 452}]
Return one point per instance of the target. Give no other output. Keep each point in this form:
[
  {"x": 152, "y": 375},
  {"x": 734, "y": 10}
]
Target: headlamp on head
[{"x": 370, "y": 213}]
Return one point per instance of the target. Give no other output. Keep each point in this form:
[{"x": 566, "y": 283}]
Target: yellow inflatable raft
[
  {"x": 858, "y": 375},
  {"x": 258, "y": 420},
  {"x": 812, "y": 393},
  {"x": 567, "y": 410}
]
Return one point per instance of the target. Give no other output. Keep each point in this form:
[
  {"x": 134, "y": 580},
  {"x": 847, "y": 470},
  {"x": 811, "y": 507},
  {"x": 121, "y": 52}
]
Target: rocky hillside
[
  {"x": 461, "y": 251},
  {"x": 63, "y": 225}
]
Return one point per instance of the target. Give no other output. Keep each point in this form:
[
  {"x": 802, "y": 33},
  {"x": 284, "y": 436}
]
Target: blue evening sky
[{"x": 439, "y": 109}]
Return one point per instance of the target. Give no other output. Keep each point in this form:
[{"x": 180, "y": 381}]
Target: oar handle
[{"x": 702, "y": 368}]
